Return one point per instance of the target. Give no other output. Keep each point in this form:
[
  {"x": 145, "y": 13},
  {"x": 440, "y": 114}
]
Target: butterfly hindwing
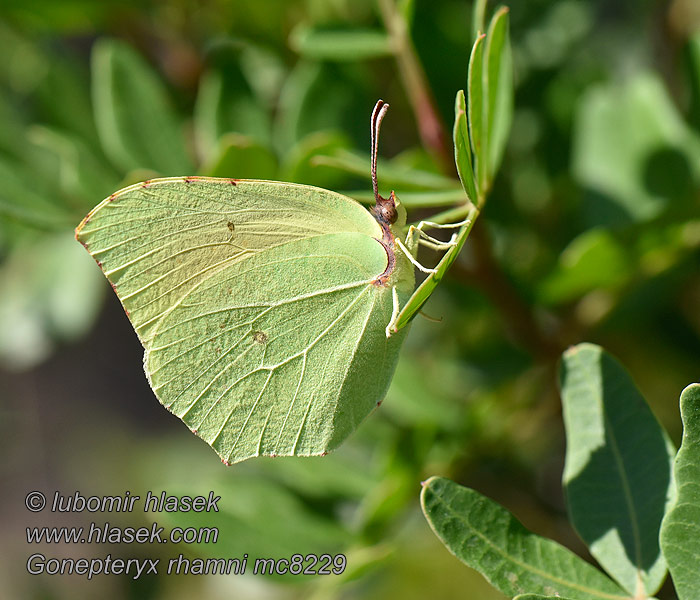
[{"x": 256, "y": 364}]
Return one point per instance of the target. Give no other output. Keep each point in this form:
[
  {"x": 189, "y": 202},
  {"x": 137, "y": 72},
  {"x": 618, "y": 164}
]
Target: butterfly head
[
  {"x": 389, "y": 211},
  {"x": 384, "y": 209}
]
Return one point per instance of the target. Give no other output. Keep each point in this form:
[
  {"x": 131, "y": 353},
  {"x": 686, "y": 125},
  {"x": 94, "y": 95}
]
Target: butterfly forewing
[{"x": 157, "y": 240}]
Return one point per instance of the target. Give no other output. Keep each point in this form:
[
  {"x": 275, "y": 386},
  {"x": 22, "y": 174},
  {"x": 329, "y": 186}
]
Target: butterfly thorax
[{"x": 391, "y": 217}]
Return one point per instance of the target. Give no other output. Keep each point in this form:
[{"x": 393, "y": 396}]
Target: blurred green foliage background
[{"x": 592, "y": 232}]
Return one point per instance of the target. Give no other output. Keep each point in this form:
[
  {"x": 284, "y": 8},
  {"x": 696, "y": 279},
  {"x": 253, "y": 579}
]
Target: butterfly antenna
[{"x": 378, "y": 113}]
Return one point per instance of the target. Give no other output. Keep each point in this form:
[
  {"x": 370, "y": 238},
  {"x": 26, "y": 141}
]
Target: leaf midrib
[
  {"x": 526, "y": 566},
  {"x": 596, "y": 391}
]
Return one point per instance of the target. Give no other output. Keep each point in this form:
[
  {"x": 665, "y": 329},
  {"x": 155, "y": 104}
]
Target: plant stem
[{"x": 430, "y": 126}]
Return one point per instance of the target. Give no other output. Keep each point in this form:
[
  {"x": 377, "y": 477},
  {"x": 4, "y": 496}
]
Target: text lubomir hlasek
[{"x": 126, "y": 503}]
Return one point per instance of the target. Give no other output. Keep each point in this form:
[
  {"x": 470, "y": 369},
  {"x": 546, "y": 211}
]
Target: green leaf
[
  {"x": 264, "y": 70},
  {"x": 499, "y": 86},
  {"x": 64, "y": 94},
  {"x": 242, "y": 157},
  {"x": 486, "y": 537},
  {"x": 412, "y": 200},
  {"x": 21, "y": 199},
  {"x": 475, "y": 101},
  {"x": 478, "y": 18},
  {"x": 632, "y": 149},
  {"x": 391, "y": 175},
  {"x": 410, "y": 388},
  {"x": 301, "y": 165},
  {"x": 225, "y": 104},
  {"x": 341, "y": 45},
  {"x": 463, "y": 153},
  {"x": 680, "y": 532},
  {"x": 618, "y": 468},
  {"x": 339, "y": 475},
  {"x": 592, "y": 261},
  {"x": 137, "y": 126},
  {"x": 25, "y": 64},
  {"x": 299, "y": 110},
  {"x": 83, "y": 174}
]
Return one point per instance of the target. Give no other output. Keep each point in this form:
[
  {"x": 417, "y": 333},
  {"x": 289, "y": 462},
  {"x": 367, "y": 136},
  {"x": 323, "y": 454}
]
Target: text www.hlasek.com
[{"x": 122, "y": 535}]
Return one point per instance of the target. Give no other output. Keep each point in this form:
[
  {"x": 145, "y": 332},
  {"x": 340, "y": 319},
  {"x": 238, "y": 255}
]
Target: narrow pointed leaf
[
  {"x": 299, "y": 111},
  {"x": 136, "y": 124},
  {"x": 463, "y": 153},
  {"x": 680, "y": 533},
  {"x": 83, "y": 173},
  {"x": 342, "y": 45},
  {"x": 226, "y": 104},
  {"x": 488, "y": 538},
  {"x": 478, "y": 18},
  {"x": 64, "y": 95},
  {"x": 300, "y": 165},
  {"x": 618, "y": 468},
  {"x": 499, "y": 69},
  {"x": 391, "y": 175},
  {"x": 23, "y": 200},
  {"x": 410, "y": 200},
  {"x": 475, "y": 101}
]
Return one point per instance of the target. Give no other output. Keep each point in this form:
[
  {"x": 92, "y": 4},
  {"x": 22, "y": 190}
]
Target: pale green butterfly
[{"x": 268, "y": 311}]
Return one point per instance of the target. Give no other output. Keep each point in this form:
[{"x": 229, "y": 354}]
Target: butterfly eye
[
  {"x": 389, "y": 213},
  {"x": 385, "y": 210}
]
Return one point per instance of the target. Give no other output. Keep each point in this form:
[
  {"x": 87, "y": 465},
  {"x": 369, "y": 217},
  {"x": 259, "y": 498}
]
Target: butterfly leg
[
  {"x": 410, "y": 257},
  {"x": 417, "y": 234},
  {"x": 430, "y": 242},
  {"x": 442, "y": 225},
  {"x": 391, "y": 326}
]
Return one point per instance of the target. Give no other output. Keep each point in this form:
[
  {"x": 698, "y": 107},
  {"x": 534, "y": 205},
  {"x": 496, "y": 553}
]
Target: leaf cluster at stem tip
[{"x": 632, "y": 499}]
